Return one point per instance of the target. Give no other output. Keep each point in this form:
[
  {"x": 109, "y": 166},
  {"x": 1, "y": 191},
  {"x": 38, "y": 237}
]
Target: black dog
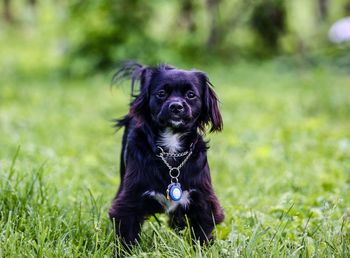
[{"x": 164, "y": 165}]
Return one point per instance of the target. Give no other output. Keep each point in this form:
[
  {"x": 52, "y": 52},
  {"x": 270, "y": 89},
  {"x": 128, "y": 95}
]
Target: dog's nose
[{"x": 176, "y": 107}]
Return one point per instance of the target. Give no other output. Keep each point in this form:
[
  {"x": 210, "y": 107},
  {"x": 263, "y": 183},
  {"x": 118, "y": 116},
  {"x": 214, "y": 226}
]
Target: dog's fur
[{"x": 172, "y": 109}]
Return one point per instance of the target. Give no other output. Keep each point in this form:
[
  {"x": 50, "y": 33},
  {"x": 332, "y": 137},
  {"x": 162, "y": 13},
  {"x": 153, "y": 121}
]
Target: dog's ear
[
  {"x": 210, "y": 110},
  {"x": 136, "y": 73},
  {"x": 139, "y": 106}
]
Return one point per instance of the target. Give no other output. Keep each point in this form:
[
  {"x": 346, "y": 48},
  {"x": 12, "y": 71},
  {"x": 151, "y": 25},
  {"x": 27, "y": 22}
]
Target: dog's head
[{"x": 173, "y": 98}]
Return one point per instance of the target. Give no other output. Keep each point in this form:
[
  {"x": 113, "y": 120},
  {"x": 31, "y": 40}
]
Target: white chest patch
[
  {"x": 171, "y": 141},
  {"x": 170, "y": 205}
]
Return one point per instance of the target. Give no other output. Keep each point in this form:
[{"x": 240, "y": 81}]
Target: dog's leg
[
  {"x": 204, "y": 213},
  {"x": 128, "y": 217},
  {"x": 177, "y": 219},
  {"x": 202, "y": 225},
  {"x": 128, "y": 228}
]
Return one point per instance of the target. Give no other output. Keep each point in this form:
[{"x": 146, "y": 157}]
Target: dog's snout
[{"x": 176, "y": 107}]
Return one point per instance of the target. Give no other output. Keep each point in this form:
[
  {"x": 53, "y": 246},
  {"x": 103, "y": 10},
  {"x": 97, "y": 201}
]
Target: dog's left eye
[
  {"x": 161, "y": 94},
  {"x": 190, "y": 95}
]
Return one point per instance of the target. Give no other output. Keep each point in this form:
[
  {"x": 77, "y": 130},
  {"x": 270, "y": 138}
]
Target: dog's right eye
[{"x": 161, "y": 94}]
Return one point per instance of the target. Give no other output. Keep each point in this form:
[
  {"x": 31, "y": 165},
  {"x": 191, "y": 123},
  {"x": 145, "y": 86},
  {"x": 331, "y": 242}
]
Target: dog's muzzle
[
  {"x": 175, "y": 113},
  {"x": 176, "y": 107}
]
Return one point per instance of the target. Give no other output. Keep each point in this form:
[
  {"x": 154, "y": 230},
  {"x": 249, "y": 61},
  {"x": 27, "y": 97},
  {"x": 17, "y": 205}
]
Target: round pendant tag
[{"x": 175, "y": 192}]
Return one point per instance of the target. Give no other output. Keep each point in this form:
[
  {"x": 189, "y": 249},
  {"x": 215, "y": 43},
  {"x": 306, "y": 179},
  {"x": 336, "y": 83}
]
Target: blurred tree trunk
[
  {"x": 347, "y": 9},
  {"x": 8, "y": 15},
  {"x": 219, "y": 30},
  {"x": 32, "y": 2},
  {"x": 187, "y": 9},
  {"x": 33, "y": 8},
  {"x": 322, "y": 6},
  {"x": 214, "y": 31},
  {"x": 268, "y": 21}
]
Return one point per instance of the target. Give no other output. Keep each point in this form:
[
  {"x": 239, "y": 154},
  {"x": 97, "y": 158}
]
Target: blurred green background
[
  {"x": 281, "y": 167},
  {"x": 81, "y": 37}
]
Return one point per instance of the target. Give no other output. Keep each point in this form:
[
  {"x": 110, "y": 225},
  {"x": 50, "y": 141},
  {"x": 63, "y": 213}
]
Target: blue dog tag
[{"x": 174, "y": 192}]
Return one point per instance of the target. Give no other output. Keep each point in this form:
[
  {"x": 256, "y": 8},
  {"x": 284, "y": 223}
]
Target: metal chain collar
[{"x": 174, "y": 172}]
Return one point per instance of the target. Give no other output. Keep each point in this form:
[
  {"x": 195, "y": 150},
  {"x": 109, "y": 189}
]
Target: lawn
[{"x": 281, "y": 167}]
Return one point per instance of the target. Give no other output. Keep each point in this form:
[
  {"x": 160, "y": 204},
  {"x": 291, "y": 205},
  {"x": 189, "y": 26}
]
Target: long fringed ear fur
[
  {"x": 139, "y": 106},
  {"x": 128, "y": 70},
  {"x": 136, "y": 72},
  {"x": 210, "y": 112}
]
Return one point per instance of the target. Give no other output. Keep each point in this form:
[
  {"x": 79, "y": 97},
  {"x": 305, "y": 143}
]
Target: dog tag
[{"x": 174, "y": 192}]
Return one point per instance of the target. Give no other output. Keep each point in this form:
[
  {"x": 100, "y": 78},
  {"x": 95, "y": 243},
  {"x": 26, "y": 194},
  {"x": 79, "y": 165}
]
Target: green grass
[{"x": 281, "y": 167}]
